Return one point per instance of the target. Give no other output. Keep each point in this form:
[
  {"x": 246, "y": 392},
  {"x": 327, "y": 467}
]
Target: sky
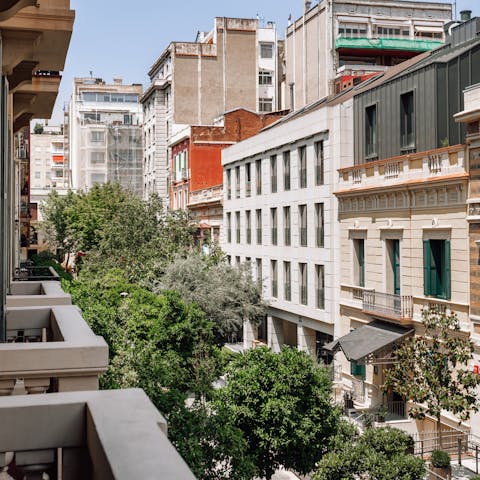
[{"x": 123, "y": 38}]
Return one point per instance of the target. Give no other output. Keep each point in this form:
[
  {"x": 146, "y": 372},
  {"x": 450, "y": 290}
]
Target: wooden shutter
[
  {"x": 427, "y": 260},
  {"x": 446, "y": 271}
]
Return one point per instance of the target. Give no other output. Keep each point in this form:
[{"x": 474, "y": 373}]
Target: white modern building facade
[
  {"x": 280, "y": 217},
  {"x": 105, "y": 134}
]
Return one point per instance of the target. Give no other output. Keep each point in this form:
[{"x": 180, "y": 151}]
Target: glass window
[
  {"x": 319, "y": 163},
  {"x": 265, "y": 77},
  {"x": 287, "y": 281},
  {"x": 229, "y": 184},
  {"x": 97, "y": 158},
  {"x": 248, "y": 223},
  {"x": 248, "y": 180},
  {"x": 303, "y": 283},
  {"x": 287, "y": 236},
  {"x": 258, "y": 174},
  {"x": 407, "y": 121},
  {"x": 320, "y": 286},
  {"x": 302, "y": 166},
  {"x": 266, "y": 50},
  {"x": 237, "y": 182},
  {"x": 273, "y": 173},
  {"x": 359, "y": 261},
  {"x": 265, "y": 104},
  {"x": 286, "y": 171},
  {"x": 237, "y": 222},
  {"x": 302, "y": 223},
  {"x": 274, "y": 278},
  {"x": 273, "y": 219},
  {"x": 319, "y": 225},
  {"x": 352, "y": 30},
  {"x": 229, "y": 227},
  {"x": 258, "y": 261},
  {"x": 97, "y": 136},
  {"x": 371, "y": 131},
  {"x": 259, "y": 226}
]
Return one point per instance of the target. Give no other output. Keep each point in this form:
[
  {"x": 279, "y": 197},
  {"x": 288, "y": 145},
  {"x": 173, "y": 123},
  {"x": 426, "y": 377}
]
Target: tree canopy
[{"x": 431, "y": 370}]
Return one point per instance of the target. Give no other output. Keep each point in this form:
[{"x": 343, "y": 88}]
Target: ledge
[{"x": 37, "y": 294}]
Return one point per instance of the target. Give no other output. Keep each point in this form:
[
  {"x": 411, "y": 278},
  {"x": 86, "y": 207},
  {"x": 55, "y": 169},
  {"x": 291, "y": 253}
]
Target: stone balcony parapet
[{"x": 37, "y": 294}]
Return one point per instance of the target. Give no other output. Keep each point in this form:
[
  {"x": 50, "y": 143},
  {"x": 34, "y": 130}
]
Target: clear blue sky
[{"x": 124, "y": 37}]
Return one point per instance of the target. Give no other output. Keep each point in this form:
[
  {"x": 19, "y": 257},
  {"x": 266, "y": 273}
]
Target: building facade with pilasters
[{"x": 280, "y": 217}]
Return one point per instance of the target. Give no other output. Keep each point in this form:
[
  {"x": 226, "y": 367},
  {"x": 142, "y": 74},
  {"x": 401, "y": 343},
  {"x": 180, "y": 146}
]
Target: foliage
[
  {"x": 282, "y": 404},
  {"x": 47, "y": 259},
  {"x": 440, "y": 459},
  {"x": 38, "y": 129},
  {"x": 432, "y": 369},
  {"x": 229, "y": 296},
  {"x": 117, "y": 230},
  {"x": 378, "y": 454}
]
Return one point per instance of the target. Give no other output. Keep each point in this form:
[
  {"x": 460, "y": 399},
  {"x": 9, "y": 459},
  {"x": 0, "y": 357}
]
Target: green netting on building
[{"x": 387, "y": 44}]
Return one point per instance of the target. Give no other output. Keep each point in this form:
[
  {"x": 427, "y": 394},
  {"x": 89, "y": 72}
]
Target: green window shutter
[
  {"x": 357, "y": 369},
  {"x": 446, "y": 271},
  {"x": 426, "y": 267}
]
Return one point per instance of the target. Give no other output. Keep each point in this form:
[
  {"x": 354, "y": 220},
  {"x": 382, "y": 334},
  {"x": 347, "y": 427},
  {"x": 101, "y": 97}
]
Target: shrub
[{"x": 440, "y": 459}]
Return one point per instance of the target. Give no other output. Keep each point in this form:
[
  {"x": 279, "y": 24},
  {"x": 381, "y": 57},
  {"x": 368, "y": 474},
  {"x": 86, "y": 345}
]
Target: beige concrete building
[
  {"x": 105, "y": 134},
  {"x": 193, "y": 83},
  {"x": 337, "y": 43}
]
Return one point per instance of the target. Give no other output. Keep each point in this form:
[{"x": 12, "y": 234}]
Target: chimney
[
  {"x": 308, "y": 4},
  {"x": 465, "y": 15}
]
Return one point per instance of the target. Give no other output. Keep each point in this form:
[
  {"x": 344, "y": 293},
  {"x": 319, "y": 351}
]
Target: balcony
[
  {"x": 30, "y": 294},
  {"x": 388, "y": 44},
  {"x": 50, "y": 349},
  {"x": 388, "y": 306},
  {"x": 115, "y": 434},
  {"x": 35, "y": 274},
  {"x": 206, "y": 196}
]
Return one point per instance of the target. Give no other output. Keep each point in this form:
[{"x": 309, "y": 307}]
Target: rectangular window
[
  {"x": 352, "y": 30},
  {"x": 259, "y": 226},
  {"x": 258, "y": 175},
  {"x": 303, "y": 282},
  {"x": 248, "y": 222},
  {"x": 274, "y": 278},
  {"x": 97, "y": 178},
  {"x": 266, "y": 50},
  {"x": 248, "y": 180},
  {"x": 287, "y": 236},
  {"x": 273, "y": 220},
  {"x": 97, "y": 136},
  {"x": 265, "y": 77},
  {"x": 436, "y": 268},
  {"x": 237, "y": 221},
  {"x": 320, "y": 286},
  {"x": 359, "y": 261},
  {"x": 91, "y": 117},
  {"x": 319, "y": 163},
  {"x": 286, "y": 171},
  {"x": 265, "y": 104},
  {"x": 97, "y": 158},
  {"x": 302, "y": 223},
  {"x": 229, "y": 184},
  {"x": 321, "y": 339},
  {"x": 229, "y": 227},
  {"x": 292, "y": 96},
  {"x": 237, "y": 182},
  {"x": 393, "y": 266},
  {"x": 302, "y": 166},
  {"x": 237, "y": 261},
  {"x": 371, "y": 131},
  {"x": 273, "y": 173},
  {"x": 407, "y": 121},
  {"x": 357, "y": 369},
  {"x": 37, "y": 175},
  {"x": 259, "y": 271},
  {"x": 319, "y": 225},
  {"x": 287, "y": 281}
]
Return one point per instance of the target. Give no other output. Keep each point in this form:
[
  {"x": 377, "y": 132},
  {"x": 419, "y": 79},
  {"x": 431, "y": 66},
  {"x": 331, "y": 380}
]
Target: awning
[{"x": 368, "y": 339}]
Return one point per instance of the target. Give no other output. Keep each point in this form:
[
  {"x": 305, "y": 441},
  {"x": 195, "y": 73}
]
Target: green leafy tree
[
  {"x": 38, "y": 129},
  {"x": 227, "y": 295},
  {"x": 431, "y": 370},
  {"x": 282, "y": 404},
  {"x": 377, "y": 454}
]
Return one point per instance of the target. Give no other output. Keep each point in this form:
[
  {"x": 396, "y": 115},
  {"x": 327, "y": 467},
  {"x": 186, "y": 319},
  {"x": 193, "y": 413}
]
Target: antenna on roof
[{"x": 91, "y": 73}]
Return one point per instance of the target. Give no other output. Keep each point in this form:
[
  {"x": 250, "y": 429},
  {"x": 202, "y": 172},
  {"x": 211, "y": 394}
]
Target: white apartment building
[
  {"x": 105, "y": 134},
  {"x": 281, "y": 217},
  {"x": 193, "y": 83}
]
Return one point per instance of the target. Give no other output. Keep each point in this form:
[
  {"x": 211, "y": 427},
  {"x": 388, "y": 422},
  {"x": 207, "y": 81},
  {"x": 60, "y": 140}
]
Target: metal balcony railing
[
  {"x": 387, "y": 304},
  {"x": 35, "y": 274}
]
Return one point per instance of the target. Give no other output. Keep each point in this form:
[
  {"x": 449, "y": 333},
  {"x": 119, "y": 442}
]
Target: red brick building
[{"x": 197, "y": 173}]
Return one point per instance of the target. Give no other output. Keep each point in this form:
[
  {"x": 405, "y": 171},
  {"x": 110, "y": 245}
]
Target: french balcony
[
  {"x": 112, "y": 434},
  {"x": 388, "y": 306},
  {"x": 37, "y": 294},
  {"x": 50, "y": 349}
]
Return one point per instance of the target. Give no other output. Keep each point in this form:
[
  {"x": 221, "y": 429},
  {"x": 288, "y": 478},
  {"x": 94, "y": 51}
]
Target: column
[
  {"x": 249, "y": 334},
  {"x": 275, "y": 333},
  {"x": 306, "y": 339}
]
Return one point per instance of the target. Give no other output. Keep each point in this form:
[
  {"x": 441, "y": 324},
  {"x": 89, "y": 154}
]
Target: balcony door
[{"x": 393, "y": 266}]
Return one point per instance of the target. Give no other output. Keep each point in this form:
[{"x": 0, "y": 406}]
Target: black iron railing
[{"x": 35, "y": 274}]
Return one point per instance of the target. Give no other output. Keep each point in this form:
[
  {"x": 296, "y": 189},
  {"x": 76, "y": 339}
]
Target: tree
[
  {"x": 38, "y": 129},
  {"x": 282, "y": 404},
  {"x": 229, "y": 296},
  {"x": 431, "y": 370},
  {"x": 377, "y": 454}
]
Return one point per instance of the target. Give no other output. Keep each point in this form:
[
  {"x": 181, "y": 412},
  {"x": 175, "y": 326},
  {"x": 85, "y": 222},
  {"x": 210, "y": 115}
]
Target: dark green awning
[{"x": 368, "y": 339}]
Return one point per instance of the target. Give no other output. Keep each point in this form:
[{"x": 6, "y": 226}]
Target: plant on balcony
[
  {"x": 431, "y": 370},
  {"x": 379, "y": 453}
]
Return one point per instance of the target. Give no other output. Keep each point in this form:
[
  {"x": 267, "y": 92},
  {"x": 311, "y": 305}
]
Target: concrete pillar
[
  {"x": 306, "y": 339},
  {"x": 275, "y": 333},
  {"x": 77, "y": 384},
  {"x": 250, "y": 333}
]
